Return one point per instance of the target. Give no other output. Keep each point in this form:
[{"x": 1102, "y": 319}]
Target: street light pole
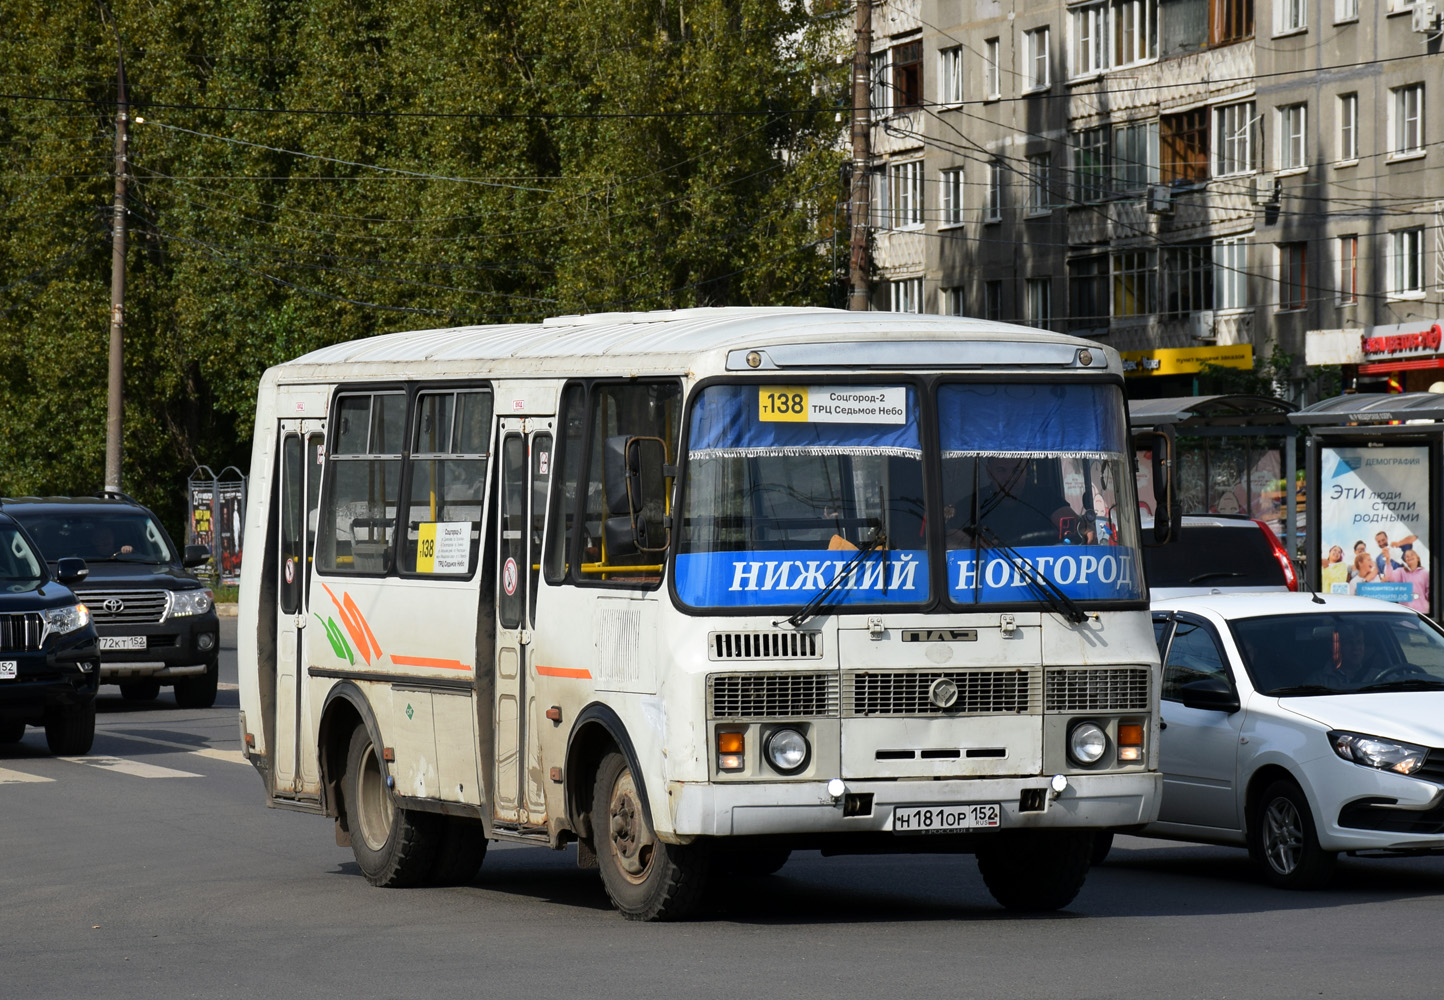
[
  {"x": 115, "y": 403},
  {"x": 859, "y": 292}
]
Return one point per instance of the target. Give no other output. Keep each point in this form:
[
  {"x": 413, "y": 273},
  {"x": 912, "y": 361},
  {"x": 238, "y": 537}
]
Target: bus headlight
[
  {"x": 1087, "y": 742},
  {"x": 786, "y": 750}
]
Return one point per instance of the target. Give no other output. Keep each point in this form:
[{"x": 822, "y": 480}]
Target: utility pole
[
  {"x": 115, "y": 404},
  {"x": 859, "y": 290}
]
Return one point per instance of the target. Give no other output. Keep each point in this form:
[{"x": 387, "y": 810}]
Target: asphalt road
[{"x": 153, "y": 869}]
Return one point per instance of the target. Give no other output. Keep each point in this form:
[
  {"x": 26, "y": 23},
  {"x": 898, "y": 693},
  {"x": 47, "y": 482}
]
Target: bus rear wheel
[
  {"x": 1036, "y": 870},
  {"x": 646, "y": 878},
  {"x": 394, "y": 847}
]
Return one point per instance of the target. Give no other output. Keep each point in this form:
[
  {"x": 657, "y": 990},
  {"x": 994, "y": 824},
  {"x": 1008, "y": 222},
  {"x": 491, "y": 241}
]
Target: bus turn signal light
[
  {"x": 731, "y": 748},
  {"x": 1130, "y": 741}
]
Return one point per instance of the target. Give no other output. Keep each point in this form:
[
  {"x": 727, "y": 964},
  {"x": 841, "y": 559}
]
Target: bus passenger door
[
  {"x": 525, "y": 467},
  {"x": 301, "y": 452}
]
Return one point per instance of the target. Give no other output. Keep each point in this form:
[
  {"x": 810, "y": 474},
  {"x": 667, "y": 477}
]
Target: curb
[{"x": 227, "y": 610}]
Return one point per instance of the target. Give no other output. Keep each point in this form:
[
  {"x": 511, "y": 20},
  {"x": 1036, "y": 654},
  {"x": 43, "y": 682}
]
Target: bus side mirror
[
  {"x": 1161, "y": 444},
  {"x": 635, "y": 485}
]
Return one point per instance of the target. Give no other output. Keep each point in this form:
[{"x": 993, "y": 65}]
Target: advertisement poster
[
  {"x": 1374, "y": 523},
  {"x": 230, "y": 509},
  {"x": 202, "y": 530}
]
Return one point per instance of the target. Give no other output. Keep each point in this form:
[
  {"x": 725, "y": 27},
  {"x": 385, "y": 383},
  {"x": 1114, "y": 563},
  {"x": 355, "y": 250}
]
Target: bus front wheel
[
  {"x": 1036, "y": 870},
  {"x": 646, "y": 878},
  {"x": 394, "y": 847}
]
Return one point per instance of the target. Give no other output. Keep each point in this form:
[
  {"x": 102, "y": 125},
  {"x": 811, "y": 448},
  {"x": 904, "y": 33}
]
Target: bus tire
[
  {"x": 394, "y": 847},
  {"x": 199, "y": 691},
  {"x": 1036, "y": 871},
  {"x": 1102, "y": 844},
  {"x": 460, "y": 851},
  {"x": 646, "y": 878}
]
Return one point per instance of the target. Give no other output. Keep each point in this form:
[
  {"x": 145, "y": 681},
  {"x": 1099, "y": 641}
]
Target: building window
[
  {"x": 1348, "y": 270},
  {"x": 1187, "y": 275},
  {"x": 1135, "y": 156},
  {"x": 1293, "y": 275},
  {"x": 1040, "y": 197},
  {"x": 950, "y": 75},
  {"x": 993, "y": 300},
  {"x": 1035, "y": 49},
  {"x": 881, "y": 201},
  {"x": 907, "y": 75},
  {"x": 1230, "y": 273},
  {"x": 1348, "y": 127},
  {"x": 907, "y": 295},
  {"x": 955, "y": 301},
  {"x": 1234, "y": 127},
  {"x": 1090, "y": 164},
  {"x": 1292, "y": 16},
  {"x": 1134, "y": 26},
  {"x": 993, "y": 207},
  {"x": 905, "y": 184},
  {"x": 1293, "y": 139},
  {"x": 1088, "y": 293},
  {"x": 1089, "y": 43},
  {"x": 1183, "y": 147},
  {"x": 1346, "y": 10},
  {"x": 1133, "y": 283},
  {"x": 951, "y": 197},
  {"x": 1406, "y": 126},
  {"x": 1040, "y": 302},
  {"x": 992, "y": 76},
  {"x": 880, "y": 87},
  {"x": 1406, "y": 262},
  {"x": 1230, "y": 21}
]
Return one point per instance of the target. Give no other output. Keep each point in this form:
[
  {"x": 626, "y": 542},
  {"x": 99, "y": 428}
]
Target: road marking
[
  {"x": 131, "y": 767},
  {"x": 17, "y": 777},
  {"x": 234, "y": 756}
]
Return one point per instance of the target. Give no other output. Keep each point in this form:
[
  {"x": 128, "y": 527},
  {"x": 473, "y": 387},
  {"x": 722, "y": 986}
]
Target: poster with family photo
[{"x": 1374, "y": 523}]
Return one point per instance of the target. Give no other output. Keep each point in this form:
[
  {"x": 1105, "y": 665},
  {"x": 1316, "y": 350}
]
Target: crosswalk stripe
[
  {"x": 132, "y": 767},
  {"x": 8, "y": 777},
  {"x": 234, "y": 756}
]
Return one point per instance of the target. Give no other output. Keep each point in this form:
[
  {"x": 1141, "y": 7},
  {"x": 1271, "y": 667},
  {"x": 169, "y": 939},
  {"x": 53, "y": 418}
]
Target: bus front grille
[
  {"x": 1096, "y": 689},
  {"x": 764, "y": 645},
  {"x": 1009, "y": 691},
  {"x": 772, "y": 696}
]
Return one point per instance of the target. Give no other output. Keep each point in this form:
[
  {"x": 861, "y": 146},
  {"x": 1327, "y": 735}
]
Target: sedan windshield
[
  {"x": 20, "y": 567},
  {"x": 122, "y": 536},
  {"x": 1344, "y": 653}
]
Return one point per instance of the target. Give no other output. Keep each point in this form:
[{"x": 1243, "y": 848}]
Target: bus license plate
[
  {"x": 122, "y": 642},
  {"x": 9, "y": 669},
  {"x": 945, "y": 819}
]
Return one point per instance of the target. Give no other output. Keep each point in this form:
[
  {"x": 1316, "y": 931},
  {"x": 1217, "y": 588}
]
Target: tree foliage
[{"x": 312, "y": 173}]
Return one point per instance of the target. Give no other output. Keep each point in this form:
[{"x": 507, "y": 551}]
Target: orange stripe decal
[
  {"x": 564, "y": 672},
  {"x": 426, "y": 661}
]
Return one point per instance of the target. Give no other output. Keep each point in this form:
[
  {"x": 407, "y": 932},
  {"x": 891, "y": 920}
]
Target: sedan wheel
[{"x": 1283, "y": 838}]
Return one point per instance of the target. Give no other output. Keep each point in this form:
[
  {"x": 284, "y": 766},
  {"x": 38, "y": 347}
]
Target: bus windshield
[{"x": 791, "y": 489}]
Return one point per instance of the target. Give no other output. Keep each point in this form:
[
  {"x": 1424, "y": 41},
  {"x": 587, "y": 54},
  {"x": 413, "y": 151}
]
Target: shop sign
[
  {"x": 1387, "y": 344},
  {"x": 1186, "y": 360}
]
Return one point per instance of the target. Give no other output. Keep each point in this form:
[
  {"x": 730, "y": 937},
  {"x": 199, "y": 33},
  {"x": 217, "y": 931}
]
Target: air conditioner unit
[
  {"x": 1200, "y": 325},
  {"x": 1426, "y": 17},
  {"x": 1160, "y": 200},
  {"x": 1266, "y": 189}
]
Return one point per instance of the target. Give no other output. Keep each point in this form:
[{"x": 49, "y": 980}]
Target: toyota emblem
[
  {"x": 113, "y": 605},
  {"x": 943, "y": 693}
]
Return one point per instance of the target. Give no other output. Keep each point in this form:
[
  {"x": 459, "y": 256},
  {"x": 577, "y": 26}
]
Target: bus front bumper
[{"x": 1087, "y": 801}]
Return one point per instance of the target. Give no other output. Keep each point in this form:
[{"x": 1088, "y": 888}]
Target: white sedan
[{"x": 1301, "y": 726}]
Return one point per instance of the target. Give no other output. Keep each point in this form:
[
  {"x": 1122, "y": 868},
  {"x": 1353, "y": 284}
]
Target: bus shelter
[
  {"x": 1373, "y": 520},
  {"x": 1237, "y": 454}
]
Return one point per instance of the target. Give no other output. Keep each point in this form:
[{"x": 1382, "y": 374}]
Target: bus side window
[
  {"x": 450, "y": 437},
  {"x": 363, "y": 484},
  {"x": 570, "y": 446}
]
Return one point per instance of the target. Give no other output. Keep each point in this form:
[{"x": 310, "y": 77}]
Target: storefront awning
[
  {"x": 1208, "y": 411},
  {"x": 1372, "y": 408}
]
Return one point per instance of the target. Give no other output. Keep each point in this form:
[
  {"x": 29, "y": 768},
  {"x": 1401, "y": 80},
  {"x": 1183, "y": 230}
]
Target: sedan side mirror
[
  {"x": 1211, "y": 693},
  {"x": 71, "y": 570},
  {"x": 196, "y": 555}
]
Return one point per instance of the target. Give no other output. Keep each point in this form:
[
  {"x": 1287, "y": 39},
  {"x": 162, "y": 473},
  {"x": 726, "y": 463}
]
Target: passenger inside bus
[{"x": 1016, "y": 501}]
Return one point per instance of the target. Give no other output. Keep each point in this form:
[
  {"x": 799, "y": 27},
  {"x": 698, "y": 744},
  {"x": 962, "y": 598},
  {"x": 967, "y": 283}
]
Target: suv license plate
[
  {"x": 122, "y": 642},
  {"x": 945, "y": 819},
  {"x": 9, "y": 669}
]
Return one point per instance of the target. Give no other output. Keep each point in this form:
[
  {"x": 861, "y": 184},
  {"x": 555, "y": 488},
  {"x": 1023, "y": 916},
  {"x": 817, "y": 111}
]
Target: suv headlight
[
  {"x": 1386, "y": 755},
  {"x": 189, "y": 602},
  {"x": 59, "y": 621}
]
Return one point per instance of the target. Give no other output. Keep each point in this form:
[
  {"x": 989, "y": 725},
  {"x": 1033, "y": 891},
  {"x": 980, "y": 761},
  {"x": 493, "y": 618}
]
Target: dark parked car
[
  {"x": 1219, "y": 554},
  {"x": 49, "y": 654},
  {"x": 157, "y": 622}
]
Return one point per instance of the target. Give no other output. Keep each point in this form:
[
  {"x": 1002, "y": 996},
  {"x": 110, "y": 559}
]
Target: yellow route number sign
[{"x": 829, "y": 404}]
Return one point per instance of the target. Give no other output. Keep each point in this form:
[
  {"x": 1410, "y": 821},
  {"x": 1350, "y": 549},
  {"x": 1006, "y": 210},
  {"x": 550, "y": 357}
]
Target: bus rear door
[{"x": 302, "y": 453}]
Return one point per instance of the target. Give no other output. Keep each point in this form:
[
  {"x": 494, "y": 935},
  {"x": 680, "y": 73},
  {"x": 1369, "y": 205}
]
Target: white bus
[{"x": 695, "y": 589}]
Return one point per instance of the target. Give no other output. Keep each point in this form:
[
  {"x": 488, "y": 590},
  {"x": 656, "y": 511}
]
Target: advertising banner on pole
[
  {"x": 230, "y": 509},
  {"x": 1374, "y": 523}
]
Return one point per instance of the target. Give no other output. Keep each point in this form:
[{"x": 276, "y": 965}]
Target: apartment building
[{"x": 1185, "y": 180}]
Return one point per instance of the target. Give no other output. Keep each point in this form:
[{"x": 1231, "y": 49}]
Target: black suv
[
  {"x": 49, "y": 654},
  {"x": 157, "y": 622}
]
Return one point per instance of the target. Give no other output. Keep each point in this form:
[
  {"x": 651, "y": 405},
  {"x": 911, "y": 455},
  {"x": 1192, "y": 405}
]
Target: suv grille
[
  {"x": 126, "y": 607},
  {"x": 765, "y": 645},
  {"x": 772, "y": 696},
  {"x": 21, "y": 633},
  {"x": 1096, "y": 689},
  {"x": 980, "y": 692}
]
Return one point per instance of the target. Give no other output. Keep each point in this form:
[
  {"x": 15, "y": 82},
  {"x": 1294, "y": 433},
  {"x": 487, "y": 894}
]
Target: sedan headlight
[
  {"x": 67, "y": 619},
  {"x": 1386, "y": 755},
  {"x": 189, "y": 602}
]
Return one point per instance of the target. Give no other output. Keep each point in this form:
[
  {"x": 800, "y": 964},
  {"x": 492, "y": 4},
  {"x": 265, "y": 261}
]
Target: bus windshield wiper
[
  {"x": 819, "y": 603},
  {"x": 1042, "y": 585}
]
